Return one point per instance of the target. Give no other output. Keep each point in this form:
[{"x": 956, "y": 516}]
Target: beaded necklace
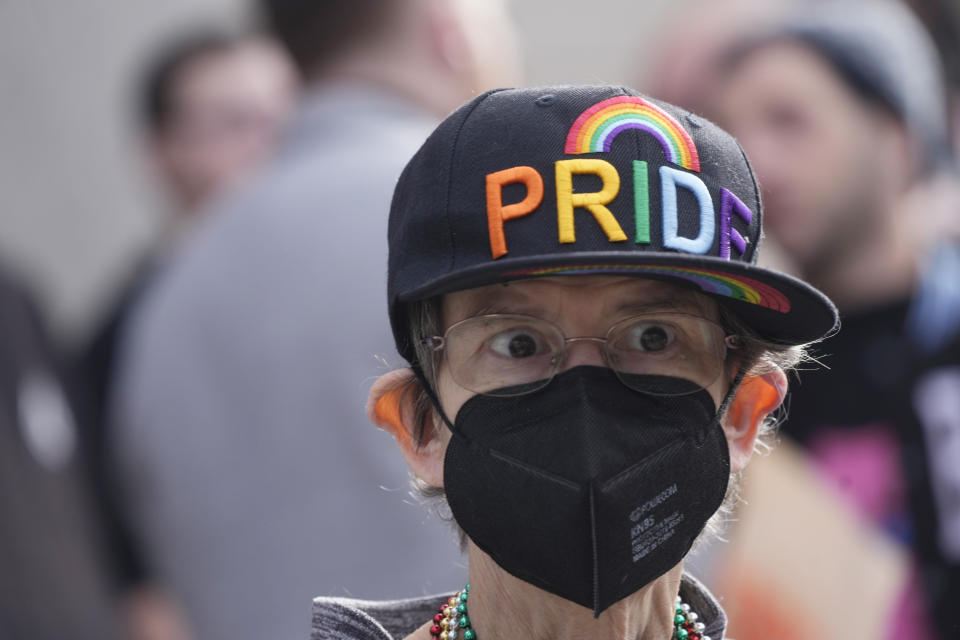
[
  {"x": 452, "y": 618},
  {"x": 686, "y": 625}
]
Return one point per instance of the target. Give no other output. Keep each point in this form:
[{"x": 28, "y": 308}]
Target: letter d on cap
[{"x": 670, "y": 180}]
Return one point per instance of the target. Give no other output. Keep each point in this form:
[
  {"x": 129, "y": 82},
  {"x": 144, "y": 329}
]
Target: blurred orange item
[{"x": 802, "y": 565}]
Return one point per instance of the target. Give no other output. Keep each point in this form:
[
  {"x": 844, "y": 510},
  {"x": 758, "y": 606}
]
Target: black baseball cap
[{"x": 567, "y": 180}]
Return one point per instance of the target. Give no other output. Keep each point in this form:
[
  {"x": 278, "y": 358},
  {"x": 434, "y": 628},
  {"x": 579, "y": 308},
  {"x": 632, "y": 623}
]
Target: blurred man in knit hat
[{"x": 842, "y": 111}]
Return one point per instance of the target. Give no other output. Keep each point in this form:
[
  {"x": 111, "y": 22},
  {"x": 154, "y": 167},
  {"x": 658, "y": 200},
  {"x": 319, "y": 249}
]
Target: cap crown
[{"x": 676, "y": 174}]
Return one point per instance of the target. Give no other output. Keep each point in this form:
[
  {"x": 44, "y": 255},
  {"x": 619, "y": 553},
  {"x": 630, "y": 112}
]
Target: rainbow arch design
[
  {"x": 595, "y": 129},
  {"x": 707, "y": 280}
]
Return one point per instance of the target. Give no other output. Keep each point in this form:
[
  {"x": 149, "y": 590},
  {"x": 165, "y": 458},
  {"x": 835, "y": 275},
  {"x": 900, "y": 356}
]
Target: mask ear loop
[
  {"x": 724, "y": 405},
  {"x": 434, "y": 399},
  {"x": 734, "y": 387}
]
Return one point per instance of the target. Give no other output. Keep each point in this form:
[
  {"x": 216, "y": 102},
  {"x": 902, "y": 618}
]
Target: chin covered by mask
[{"x": 587, "y": 489}]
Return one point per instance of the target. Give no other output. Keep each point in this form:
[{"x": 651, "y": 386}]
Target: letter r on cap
[
  {"x": 567, "y": 200},
  {"x": 497, "y": 213}
]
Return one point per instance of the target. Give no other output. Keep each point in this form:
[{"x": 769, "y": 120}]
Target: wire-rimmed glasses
[{"x": 663, "y": 353}]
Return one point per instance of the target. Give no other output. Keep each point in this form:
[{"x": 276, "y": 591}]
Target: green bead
[
  {"x": 462, "y": 608},
  {"x": 680, "y": 634},
  {"x": 463, "y": 596},
  {"x": 469, "y": 634},
  {"x": 464, "y": 622},
  {"x": 679, "y": 619}
]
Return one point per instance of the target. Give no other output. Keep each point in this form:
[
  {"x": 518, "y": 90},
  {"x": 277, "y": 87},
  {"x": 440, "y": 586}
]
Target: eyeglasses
[{"x": 664, "y": 354}]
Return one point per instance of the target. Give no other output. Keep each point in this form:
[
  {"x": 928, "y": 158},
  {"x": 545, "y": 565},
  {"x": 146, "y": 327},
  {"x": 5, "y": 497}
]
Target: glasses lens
[
  {"x": 503, "y": 355},
  {"x": 666, "y": 354}
]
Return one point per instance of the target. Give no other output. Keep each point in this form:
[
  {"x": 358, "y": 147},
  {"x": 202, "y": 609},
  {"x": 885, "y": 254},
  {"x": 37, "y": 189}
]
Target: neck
[
  {"x": 876, "y": 270},
  {"x": 502, "y": 606},
  {"x": 417, "y": 79}
]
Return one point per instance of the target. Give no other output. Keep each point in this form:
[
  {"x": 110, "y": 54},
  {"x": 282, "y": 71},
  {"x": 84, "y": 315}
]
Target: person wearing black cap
[
  {"x": 842, "y": 110},
  {"x": 593, "y": 353}
]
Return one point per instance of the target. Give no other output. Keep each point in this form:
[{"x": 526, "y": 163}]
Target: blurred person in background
[
  {"x": 689, "y": 45},
  {"x": 240, "y": 428},
  {"x": 212, "y": 105},
  {"x": 942, "y": 19},
  {"x": 842, "y": 111},
  {"x": 942, "y": 193},
  {"x": 55, "y": 578}
]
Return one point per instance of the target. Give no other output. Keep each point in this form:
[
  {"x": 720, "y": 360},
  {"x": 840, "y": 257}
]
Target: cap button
[{"x": 546, "y": 100}]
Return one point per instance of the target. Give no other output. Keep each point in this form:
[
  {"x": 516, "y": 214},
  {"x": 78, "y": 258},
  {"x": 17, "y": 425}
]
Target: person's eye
[
  {"x": 650, "y": 337},
  {"x": 518, "y": 343}
]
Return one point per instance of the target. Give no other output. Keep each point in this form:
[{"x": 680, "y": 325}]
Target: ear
[
  {"x": 898, "y": 154},
  {"x": 156, "y": 154},
  {"x": 757, "y": 397},
  {"x": 391, "y": 407},
  {"x": 448, "y": 39}
]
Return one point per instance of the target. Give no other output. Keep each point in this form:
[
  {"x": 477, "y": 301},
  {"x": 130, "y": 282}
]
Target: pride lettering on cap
[{"x": 594, "y": 131}]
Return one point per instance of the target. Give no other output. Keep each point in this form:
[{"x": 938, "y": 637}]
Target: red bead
[
  {"x": 693, "y": 636},
  {"x": 435, "y": 631},
  {"x": 688, "y": 626},
  {"x": 437, "y": 618}
]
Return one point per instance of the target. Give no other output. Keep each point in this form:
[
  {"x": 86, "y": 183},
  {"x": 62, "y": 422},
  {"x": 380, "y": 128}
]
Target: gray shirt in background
[{"x": 254, "y": 479}]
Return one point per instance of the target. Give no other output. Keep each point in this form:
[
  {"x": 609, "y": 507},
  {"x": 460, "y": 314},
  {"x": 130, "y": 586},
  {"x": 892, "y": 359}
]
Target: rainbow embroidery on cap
[
  {"x": 595, "y": 129},
  {"x": 708, "y": 281}
]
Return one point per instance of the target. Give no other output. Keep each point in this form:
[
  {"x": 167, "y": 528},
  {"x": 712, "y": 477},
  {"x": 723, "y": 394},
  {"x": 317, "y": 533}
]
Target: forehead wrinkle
[
  {"x": 532, "y": 297},
  {"x": 679, "y": 301},
  {"x": 492, "y": 299}
]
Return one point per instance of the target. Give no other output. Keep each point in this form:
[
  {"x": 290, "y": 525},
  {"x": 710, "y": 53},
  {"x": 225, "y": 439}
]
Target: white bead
[
  {"x": 685, "y": 608},
  {"x": 704, "y": 637},
  {"x": 699, "y": 627},
  {"x": 692, "y": 616},
  {"x": 678, "y": 599}
]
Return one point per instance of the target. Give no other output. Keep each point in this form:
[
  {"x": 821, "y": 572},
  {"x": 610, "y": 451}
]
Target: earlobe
[
  {"x": 449, "y": 40},
  {"x": 757, "y": 397},
  {"x": 391, "y": 406}
]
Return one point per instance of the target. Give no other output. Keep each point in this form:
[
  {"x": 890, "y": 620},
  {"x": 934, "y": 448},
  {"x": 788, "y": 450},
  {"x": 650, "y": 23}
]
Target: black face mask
[{"x": 587, "y": 489}]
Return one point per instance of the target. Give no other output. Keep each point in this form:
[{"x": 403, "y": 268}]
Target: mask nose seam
[{"x": 595, "y": 551}]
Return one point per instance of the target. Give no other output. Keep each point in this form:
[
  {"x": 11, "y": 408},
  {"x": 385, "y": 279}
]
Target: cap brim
[{"x": 779, "y": 307}]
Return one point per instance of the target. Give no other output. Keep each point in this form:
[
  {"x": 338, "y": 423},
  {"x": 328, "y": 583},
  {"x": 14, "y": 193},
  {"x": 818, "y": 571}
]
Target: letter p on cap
[{"x": 497, "y": 214}]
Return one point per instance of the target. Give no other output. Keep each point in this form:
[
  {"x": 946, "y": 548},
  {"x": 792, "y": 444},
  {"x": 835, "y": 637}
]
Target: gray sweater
[{"x": 347, "y": 619}]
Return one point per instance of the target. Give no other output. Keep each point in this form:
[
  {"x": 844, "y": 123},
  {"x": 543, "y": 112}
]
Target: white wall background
[{"x": 75, "y": 208}]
